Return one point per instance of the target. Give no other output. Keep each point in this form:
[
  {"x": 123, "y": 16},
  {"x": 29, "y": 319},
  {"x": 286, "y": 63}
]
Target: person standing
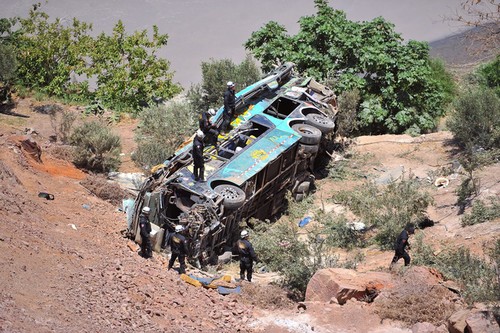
[
  {"x": 208, "y": 128},
  {"x": 178, "y": 246},
  {"x": 247, "y": 256},
  {"x": 401, "y": 245},
  {"x": 229, "y": 105},
  {"x": 145, "y": 230},
  {"x": 199, "y": 162}
]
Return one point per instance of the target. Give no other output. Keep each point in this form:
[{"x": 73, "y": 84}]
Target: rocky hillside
[{"x": 68, "y": 268}]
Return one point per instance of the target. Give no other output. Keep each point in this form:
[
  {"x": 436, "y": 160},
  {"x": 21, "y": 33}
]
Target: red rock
[
  {"x": 481, "y": 322},
  {"x": 343, "y": 284}
]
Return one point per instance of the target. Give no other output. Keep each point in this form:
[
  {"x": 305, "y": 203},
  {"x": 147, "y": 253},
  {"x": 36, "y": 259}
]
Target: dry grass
[
  {"x": 412, "y": 303},
  {"x": 103, "y": 189},
  {"x": 62, "y": 152},
  {"x": 267, "y": 297}
]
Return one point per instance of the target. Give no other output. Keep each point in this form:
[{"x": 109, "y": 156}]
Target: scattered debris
[
  {"x": 304, "y": 221},
  {"x": 46, "y": 195},
  {"x": 441, "y": 182}
]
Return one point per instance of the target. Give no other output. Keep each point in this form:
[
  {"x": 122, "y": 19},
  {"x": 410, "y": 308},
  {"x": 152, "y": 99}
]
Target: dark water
[{"x": 204, "y": 29}]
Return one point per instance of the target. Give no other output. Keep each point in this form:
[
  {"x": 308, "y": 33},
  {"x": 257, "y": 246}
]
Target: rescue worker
[
  {"x": 402, "y": 244},
  {"x": 145, "y": 230},
  {"x": 229, "y": 105},
  {"x": 247, "y": 256},
  {"x": 178, "y": 246},
  {"x": 199, "y": 162},
  {"x": 208, "y": 128}
]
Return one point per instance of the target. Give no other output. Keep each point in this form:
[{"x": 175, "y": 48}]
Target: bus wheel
[
  {"x": 234, "y": 197},
  {"x": 310, "y": 134},
  {"x": 324, "y": 124}
]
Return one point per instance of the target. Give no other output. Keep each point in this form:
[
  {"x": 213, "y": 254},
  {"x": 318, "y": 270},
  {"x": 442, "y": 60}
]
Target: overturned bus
[{"x": 270, "y": 149}]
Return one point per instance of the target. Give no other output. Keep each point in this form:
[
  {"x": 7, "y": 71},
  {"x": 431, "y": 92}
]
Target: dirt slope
[{"x": 67, "y": 267}]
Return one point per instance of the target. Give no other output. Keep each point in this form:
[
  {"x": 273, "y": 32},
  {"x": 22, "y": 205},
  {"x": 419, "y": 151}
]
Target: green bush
[
  {"x": 489, "y": 75},
  {"x": 482, "y": 212},
  {"x": 161, "y": 130},
  {"x": 279, "y": 247},
  {"x": 477, "y": 276},
  {"x": 389, "y": 208},
  {"x": 96, "y": 147},
  {"x": 215, "y": 75},
  {"x": 296, "y": 253},
  {"x": 337, "y": 231},
  {"x": 475, "y": 122}
]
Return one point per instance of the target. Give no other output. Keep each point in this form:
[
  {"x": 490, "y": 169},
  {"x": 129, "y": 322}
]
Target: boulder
[
  {"x": 481, "y": 322},
  {"x": 426, "y": 327},
  {"x": 456, "y": 322},
  {"x": 343, "y": 284}
]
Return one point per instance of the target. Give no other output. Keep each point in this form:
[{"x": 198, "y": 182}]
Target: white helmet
[
  {"x": 230, "y": 84},
  {"x": 146, "y": 210},
  {"x": 179, "y": 228},
  {"x": 244, "y": 234},
  {"x": 200, "y": 134},
  {"x": 211, "y": 112}
]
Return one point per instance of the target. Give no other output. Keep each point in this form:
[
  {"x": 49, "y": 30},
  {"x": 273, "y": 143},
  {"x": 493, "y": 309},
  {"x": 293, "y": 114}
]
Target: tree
[
  {"x": 8, "y": 59},
  {"x": 129, "y": 73},
  {"x": 215, "y": 75},
  {"x": 49, "y": 52},
  {"x": 399, "y": 91}
]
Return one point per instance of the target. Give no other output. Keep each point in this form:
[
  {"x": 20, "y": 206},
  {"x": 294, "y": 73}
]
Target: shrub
[
  {"x": 489, "y": 75},
  {"x": 388, "y": 208},
  {"x": 278, "y": 245},
  {"x": 477, "y": 276},
  {"x": 338, "y": 232},
  {"x": 294, "y": 252},
  {"x": 347, "y": 123},
  {"x": 475, "y": 122},
  {"x": 162, "y": 129},
  {"x": 215, "y": 74},
  {"x": 62, "y": 123},
  {"x": 97, "y": 149},
  {"x": 482, "y": 213}
]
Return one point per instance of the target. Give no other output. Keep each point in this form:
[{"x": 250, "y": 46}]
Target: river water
[{"x": 203, "y": 29}]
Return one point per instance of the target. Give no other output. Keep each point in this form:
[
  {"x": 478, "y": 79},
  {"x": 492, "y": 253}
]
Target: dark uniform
[
  {"x": 207, "y": 127},
  {"x": 145, "y": 227},
  {"x": 400, "y": 246},
  {"x": 178, "y": 246},
  {"x": 247, "y": 257},
  {"x": 199, "y": 163},
  {"x": 229, "y": 106}
]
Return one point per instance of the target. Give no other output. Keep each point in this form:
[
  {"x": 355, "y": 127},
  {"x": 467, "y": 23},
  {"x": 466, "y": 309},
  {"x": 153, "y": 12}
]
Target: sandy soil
[{"x": 68, "y": 268}]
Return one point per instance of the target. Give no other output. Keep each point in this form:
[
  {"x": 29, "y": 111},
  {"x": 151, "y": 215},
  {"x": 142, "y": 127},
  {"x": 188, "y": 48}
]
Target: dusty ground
[{"x": 67, "y": 267}]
